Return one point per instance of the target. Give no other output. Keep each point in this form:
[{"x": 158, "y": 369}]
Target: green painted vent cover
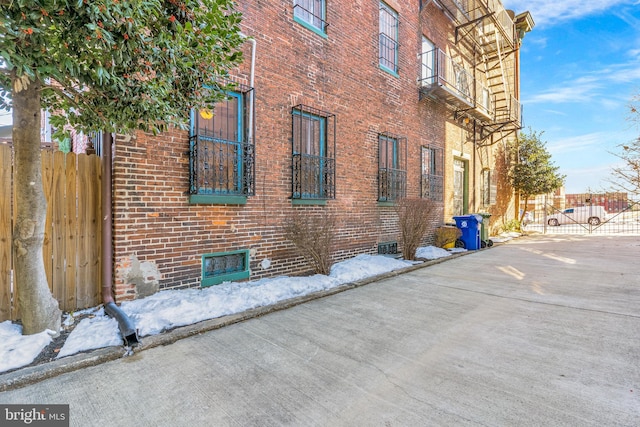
[
  {"x": 387, "y": 248},
  {"x": 225, "y": 267}
]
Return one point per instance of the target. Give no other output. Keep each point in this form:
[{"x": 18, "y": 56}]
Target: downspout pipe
[
  {"x": 251, "y": 82},
  {"x": 126, "y": 326}
]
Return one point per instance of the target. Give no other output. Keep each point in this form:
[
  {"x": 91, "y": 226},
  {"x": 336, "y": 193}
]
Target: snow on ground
[
  {"x": 172, "y": 308},
  {"x": 432, "y": 252},
  {"x": 505, "y": 237},
  {"x": 17, "y": 349}
]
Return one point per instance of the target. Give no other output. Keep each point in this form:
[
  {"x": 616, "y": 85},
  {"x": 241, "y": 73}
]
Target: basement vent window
[
  {"x": 225, "y": 267},
  {"x": 388, "y": 248}
]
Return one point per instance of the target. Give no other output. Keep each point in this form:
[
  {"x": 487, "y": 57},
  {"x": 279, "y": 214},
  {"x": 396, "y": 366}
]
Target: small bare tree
[
  {"x": 313, "y": 235},
  {"x": 414, "y": 218},
  {"x": 625, "y": 176}
]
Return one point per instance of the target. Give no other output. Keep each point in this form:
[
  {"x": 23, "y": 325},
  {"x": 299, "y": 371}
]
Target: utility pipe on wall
[
  {"x": 251, "y": 81},
  {"x": 126, "y": 326}
]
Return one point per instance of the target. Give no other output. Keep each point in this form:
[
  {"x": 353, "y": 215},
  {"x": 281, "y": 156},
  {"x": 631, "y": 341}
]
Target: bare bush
[
  {"x": 313, "y": 235},
  {"x": 447, "y": 235},
  {"x": 415, "y": 216}
]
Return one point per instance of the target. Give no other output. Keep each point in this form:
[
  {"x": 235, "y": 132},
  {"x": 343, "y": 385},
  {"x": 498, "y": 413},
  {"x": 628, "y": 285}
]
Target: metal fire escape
[{"x": 490, "y": 34}]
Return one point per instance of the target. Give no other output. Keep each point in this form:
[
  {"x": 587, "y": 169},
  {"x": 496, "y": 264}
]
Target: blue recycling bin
[{"x": 470, "y": 227}]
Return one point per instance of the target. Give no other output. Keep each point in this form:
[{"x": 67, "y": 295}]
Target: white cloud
[
  {"x": 598, "y": 143},
  {"x": 577, "y": 143},
  {"x": 628, "y": 17},
  {"x": 552, "y": 12},
  {"x": 556, "y": 112},
  {"x": 577, "y": 90},
  {"x": 598, "y": 85}
]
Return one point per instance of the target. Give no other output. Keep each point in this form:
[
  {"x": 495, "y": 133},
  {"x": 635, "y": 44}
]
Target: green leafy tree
[
  {"x": 100, "y": 65},
  {"x": 626, "y": 176},
  {"x": 532, "y": 172}
]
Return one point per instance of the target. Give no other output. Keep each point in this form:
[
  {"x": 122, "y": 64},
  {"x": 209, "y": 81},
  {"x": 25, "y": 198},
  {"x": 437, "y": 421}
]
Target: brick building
[
  {"x": 613, "y": 202},
  {"x": 340, "y": 107}
]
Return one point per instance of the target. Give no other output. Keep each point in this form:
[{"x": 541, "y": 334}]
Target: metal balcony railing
[
  {"x": 392, "y": 184},
  {"x": 313, "y": 177},
  {"x": 491, "y": 12},
  {"x": 509, "y": 112},
  {"x": 502, "y": 19},
  {"x": 446, "y": 77},
  {"x": 221, "y": 167},
  {"x": 432, "y": 187}
]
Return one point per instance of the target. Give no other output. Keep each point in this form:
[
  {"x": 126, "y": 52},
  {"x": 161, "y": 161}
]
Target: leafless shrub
[
  {"x": 313, "y": 234},
  {"x": 414, "y": 218}
]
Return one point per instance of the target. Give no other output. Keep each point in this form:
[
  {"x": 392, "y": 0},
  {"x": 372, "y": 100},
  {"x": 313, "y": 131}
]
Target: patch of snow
[
  {"x": 173, "y": 308},
  {"x": 505, "y": 237},
  {"x": 432, "y": 252},
  {"x": 363, "y": 266},
  {"x": 18, "y": 350},
  {"x": 91, "y": 333}
]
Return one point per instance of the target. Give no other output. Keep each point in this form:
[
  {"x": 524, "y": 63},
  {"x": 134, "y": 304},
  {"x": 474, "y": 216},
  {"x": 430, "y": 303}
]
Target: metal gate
[{"x": 595, "y": 215}]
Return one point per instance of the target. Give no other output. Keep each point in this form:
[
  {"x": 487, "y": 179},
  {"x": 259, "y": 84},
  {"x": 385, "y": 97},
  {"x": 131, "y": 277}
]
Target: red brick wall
[{"x": 154, "y": 222}]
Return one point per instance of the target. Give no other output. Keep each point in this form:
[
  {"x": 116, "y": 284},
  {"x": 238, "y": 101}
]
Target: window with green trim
[
  {"x": 225, "y": 266},
  {"x": 313, "y": 148},
  {"x": 392, "y": 172},
  {"x": 388, "y": 38},
  {"x": 221, "y": 150},
  {"x": 432, "y": 174},
  {"x": 311, "y": 12}
]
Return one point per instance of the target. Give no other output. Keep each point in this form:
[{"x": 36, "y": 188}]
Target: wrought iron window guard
[
  {"x": 221, "y": 165},
  {"x": 392, "y": 165},
  {"x": 313, "y": 162}
]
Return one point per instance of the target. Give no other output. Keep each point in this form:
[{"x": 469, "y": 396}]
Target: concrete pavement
[{"x": 541, "y": 331}]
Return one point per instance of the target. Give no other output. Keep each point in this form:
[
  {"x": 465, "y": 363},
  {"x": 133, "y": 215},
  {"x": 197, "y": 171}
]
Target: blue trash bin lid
[{"x": 473, "y": 217}]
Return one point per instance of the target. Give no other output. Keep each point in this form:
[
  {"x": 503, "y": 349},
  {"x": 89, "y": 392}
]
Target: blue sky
[{"x": 580, "y": 69}]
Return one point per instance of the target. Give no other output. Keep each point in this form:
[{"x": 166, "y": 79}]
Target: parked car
[{"x": 593, "y": 215}]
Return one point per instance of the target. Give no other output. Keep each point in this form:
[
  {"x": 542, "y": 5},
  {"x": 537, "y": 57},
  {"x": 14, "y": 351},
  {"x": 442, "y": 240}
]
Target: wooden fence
[{"x": 72, "y": 243}]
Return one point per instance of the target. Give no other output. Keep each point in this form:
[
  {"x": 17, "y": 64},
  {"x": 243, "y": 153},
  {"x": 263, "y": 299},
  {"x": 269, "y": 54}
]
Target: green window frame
[
  {"x": 222, "y": 154},
  {"x": 313, "y": 154},
  {"x": 392, "y": 161},
  {"x": 388, "y": 39},
  {"x": 432, "y": 182},
  {"x": 311, "y": 14},
  {"x": 221, "y": 267}
]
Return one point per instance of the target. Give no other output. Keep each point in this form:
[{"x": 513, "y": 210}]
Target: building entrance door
[{"x": 458, "y": 187}]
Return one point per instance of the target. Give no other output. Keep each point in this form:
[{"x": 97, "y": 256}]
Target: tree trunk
[
  {"x": 38, "y": 308},
  {"x": 526, "y": 206}
]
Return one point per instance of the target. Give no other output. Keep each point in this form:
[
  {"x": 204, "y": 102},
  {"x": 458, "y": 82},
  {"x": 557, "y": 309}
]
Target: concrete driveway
[{"x": 541, "y": 331}]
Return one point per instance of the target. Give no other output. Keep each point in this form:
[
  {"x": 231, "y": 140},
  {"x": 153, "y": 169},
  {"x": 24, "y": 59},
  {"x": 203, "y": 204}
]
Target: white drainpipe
[{"x": 251, "y": 81}]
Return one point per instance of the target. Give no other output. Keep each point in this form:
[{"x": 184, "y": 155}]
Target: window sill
[
  {"x": 318, "y": 202},
  {"x": 212, "y": 199},
  {"x": 386, "y": 203},
  {"x": 389, "y": 70},
  {"x": 308, "y": 26}
]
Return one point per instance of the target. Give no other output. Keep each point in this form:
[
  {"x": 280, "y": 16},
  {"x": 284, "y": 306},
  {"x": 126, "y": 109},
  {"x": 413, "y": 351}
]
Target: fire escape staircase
[{"x": 491, "y": 32}]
